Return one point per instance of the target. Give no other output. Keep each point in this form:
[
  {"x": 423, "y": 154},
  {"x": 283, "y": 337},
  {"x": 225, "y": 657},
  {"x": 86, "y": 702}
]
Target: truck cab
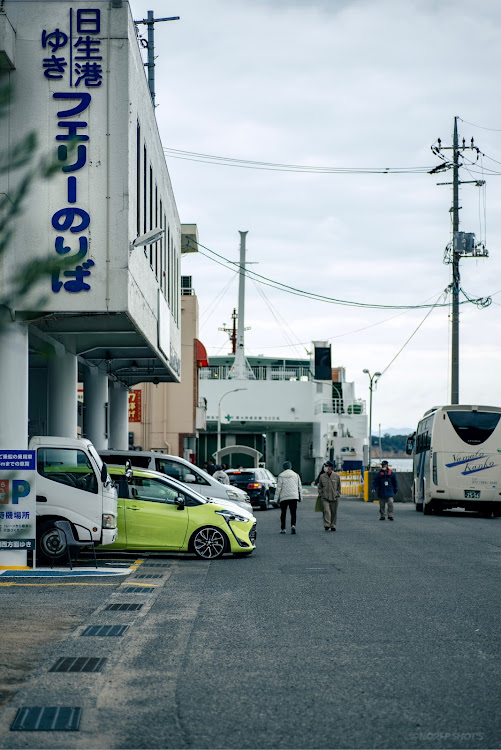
[{"x": 72, "y": 484}]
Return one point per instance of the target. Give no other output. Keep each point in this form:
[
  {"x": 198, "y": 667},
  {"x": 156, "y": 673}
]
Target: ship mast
[{"x": 241, "y": 370}]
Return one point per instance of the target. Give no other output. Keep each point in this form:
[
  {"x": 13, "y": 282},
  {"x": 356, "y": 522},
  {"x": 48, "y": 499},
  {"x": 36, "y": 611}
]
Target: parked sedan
[
  {"x": 157, "y": 513},
  {"x": 260, "y": 485}
]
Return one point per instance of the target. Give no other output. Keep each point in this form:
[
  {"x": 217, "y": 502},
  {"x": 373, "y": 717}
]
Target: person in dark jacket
[{"x": 386, "y": 486}]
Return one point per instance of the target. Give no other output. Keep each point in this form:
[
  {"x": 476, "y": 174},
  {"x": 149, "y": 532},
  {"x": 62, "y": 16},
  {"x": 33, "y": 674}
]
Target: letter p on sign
[{"x": 20, "y": 488}]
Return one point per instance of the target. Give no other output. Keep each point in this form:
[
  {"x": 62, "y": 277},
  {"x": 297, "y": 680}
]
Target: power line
[
  {"x": 302, "y": 293},
  {"x": 277, "y": 167},
  {"x": 443, "y": 294}
]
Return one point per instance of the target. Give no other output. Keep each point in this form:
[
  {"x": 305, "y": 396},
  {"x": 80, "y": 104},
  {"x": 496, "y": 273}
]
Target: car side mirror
[
  {"x": 133, "y": 492},
  {"x": 104, "y": 473},
  {"x": 190, "y": 478},
  {"x": 180, "y": 502}
]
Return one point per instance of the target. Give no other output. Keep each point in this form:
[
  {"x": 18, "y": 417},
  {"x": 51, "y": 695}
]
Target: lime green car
[{"x": 156, "y": 513}]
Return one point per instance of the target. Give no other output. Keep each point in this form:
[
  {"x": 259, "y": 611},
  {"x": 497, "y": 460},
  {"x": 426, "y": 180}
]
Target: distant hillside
[
  {"x": 395, "y": 431},
  {"x": 391, "y": 445}
]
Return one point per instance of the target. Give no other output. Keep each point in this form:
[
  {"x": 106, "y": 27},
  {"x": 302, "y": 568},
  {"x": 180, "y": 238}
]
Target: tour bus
[{"x": 457, "y": 459}]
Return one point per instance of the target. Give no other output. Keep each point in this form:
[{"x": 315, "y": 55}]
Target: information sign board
[{"x": 17, "y": 500}]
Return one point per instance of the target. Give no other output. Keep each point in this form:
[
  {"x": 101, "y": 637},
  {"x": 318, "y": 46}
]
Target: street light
[
  {"x": 219, "y": 416},
  {"x": 372, "y": 382}
]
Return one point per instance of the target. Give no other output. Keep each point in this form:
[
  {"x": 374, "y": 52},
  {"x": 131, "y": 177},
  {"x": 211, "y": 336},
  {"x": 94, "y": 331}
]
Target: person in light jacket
[
  {"x": 329, "y": 491},
  {"x": 288, "y": 494},
  {"x": 220, "y": 475}
]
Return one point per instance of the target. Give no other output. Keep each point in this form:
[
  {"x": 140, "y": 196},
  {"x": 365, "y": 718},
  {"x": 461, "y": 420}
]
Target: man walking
[
  {"x": 221, "y": 475},
  {"x": 385, "y": 484},
  {"x": 288, "y": 493},
  {"x": 329, "y": 492}
]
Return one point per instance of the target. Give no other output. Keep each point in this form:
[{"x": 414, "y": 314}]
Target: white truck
[{"x": 72, "y": 484}]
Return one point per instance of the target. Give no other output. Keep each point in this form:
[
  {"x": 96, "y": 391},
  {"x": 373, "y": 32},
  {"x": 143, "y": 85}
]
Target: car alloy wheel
[{"x": 209, "y": 543}]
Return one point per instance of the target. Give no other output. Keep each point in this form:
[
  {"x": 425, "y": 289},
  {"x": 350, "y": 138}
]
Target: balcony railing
[
  {"x": 222, "y": 372},
  {"x": 340, "y": 406}
]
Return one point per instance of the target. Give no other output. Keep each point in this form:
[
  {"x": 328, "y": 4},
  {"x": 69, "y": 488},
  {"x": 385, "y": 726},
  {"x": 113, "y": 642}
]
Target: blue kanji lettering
[
  {"x": 88, "y": 48},
  {"x": 54, "y": 39},
  {"x": 84, "y": 98},
  {"x": 62, "y": 249},
  {"x": 90, "y": 73},
  {"x": 54, "y": 67},
  {"x": 88, "y": 21},
  {"x": 64, "y": 218},
  {"x": 62, "y": 155},
  {"x": 72, "y": 135}
]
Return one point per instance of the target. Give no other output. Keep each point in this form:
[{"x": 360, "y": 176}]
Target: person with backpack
[{"x": 289, "y": 493}]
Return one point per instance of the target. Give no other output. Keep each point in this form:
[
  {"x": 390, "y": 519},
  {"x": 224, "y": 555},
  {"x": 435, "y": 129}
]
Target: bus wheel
[
  {"x": 428, "y": 508},
  {"x": 419, "y": 507}
]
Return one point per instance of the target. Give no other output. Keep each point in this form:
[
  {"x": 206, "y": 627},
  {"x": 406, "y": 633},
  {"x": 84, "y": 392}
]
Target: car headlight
[
  {"x": 109, "y": 521},
  {"x": 229, "y": 516},
  {"x": 233, "y": 495}
]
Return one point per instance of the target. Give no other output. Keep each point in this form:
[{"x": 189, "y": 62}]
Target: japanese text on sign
[
  {"x": 135, "y": 405},
  {"x": 73, "y": 55}
]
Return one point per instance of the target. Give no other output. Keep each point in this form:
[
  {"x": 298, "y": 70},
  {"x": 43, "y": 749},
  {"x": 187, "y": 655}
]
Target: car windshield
[{"x": 181, "y": 488}]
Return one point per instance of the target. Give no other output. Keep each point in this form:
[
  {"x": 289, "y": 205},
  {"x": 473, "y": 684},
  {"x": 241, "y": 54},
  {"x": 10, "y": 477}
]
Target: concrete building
[
  {"x": 110, "y": 316},
  {"x": 172, "y": 414}
]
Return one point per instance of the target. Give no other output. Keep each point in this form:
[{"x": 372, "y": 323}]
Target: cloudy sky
[{"x": 352, "y": 84}]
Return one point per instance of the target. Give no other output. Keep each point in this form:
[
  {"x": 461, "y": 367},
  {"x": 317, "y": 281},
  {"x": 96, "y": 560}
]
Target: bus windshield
[{"x": 474, "y": 427}]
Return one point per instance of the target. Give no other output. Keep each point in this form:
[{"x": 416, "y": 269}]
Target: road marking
[{"x": 58, "y": 584}]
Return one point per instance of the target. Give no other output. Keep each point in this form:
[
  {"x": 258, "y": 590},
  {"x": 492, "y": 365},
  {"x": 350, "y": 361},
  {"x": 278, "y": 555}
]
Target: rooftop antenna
[{"x": 150, "y": 46}]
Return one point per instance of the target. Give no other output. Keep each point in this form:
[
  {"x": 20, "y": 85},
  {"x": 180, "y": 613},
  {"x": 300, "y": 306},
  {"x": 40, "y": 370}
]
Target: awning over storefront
[{"x": 202, "y": 358}]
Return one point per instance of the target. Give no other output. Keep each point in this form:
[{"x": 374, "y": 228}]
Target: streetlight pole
[
  {"x": 372, "y": 382},
  {"x": 219, "y": 416}
]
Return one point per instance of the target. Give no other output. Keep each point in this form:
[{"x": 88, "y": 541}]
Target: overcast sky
[{"x": 345, "y": 83}]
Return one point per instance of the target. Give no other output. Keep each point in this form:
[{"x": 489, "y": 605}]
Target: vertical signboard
[
  {"x": 71, "y": 58},
  {"x": 135, "y": 405},
  {"x": 17, "y": 500}
]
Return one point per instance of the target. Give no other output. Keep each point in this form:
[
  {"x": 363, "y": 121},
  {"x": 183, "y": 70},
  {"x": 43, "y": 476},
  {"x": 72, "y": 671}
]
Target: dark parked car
[{"x": 259, "y": 484}]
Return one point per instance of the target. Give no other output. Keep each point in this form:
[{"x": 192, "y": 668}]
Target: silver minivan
[{"x": 183, "y": 471}]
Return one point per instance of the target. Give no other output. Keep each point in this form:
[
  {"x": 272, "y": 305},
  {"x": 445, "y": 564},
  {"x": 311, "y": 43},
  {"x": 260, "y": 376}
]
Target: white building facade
[
  {"x": 109, "y": 315},
  {"x": 286, "y": 412}
]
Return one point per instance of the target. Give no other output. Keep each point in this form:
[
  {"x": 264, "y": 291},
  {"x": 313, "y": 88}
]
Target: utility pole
[
  {"x": 150, "y": 46},
  {"x": 463, "y": 243}
]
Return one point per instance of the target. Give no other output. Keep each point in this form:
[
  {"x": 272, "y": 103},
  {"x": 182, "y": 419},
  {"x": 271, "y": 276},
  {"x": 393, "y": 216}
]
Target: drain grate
[
  {"x": 148, "y": 575},
  {"x": 78, "y": 664},
  {"x": 155, "y": 565},
  {"x": 123, "y": 607},
  {"x": 105, "y": 630},
  {"x": 138, "y": 590},
  {"x": 55, "y": 719}
]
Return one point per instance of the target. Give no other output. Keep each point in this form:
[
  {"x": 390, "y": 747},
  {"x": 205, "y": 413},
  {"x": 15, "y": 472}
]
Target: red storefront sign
[{"x": 135, "y": 405}]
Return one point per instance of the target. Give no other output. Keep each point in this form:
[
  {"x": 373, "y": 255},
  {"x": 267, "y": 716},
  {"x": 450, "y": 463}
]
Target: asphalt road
[{"x": 381, "y": 635}]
